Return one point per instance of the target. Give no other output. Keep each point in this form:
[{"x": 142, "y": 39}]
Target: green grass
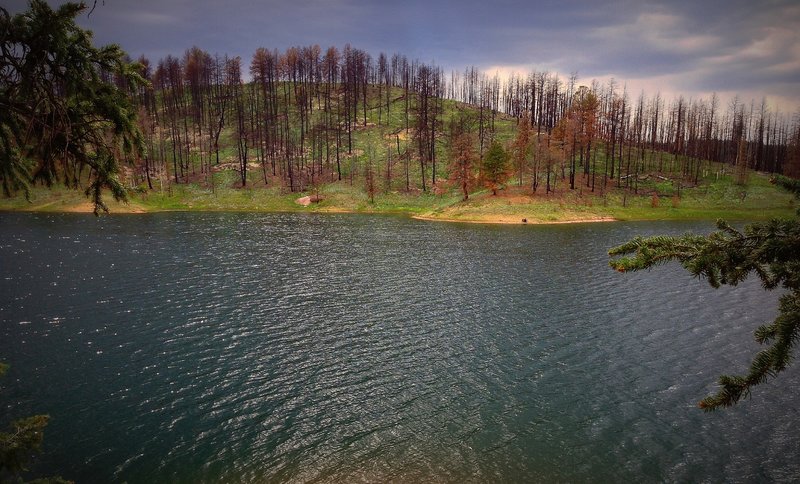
[
  {"x": 59, "y": 199},
  {"x": 716, "y": 195},
  {"x": 720, "y": 198}
]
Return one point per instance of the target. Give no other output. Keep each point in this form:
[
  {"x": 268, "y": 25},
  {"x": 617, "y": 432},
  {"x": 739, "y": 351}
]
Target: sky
[{"x": 692, "y": 48}]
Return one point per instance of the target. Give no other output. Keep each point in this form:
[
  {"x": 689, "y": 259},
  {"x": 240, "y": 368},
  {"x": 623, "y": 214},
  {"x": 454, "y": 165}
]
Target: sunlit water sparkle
[{"x": 341, "y": 348}]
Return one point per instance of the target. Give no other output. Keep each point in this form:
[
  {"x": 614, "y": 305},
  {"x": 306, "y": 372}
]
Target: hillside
[
  {"x": 345, "y": 144},
  {"x": 714, "y": 199}
]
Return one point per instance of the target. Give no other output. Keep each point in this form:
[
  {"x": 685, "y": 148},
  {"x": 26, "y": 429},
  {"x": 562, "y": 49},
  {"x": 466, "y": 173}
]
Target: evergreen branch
[
  {"x": 771, "y": 250},
  {"x": 61, "y": 111},
  {"x": 768, "y": 362}
]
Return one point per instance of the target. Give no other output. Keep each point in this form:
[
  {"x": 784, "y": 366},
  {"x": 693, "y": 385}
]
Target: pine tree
[
  {"x": 727, "y": 256},
  {"x": 495, "y": 167},
  {"x": 60, "y": 111}
]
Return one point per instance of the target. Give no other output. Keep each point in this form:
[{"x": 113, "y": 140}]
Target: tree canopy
[
  {"x": 771, "y": 250},
  {"x": 64, "y": 104}
]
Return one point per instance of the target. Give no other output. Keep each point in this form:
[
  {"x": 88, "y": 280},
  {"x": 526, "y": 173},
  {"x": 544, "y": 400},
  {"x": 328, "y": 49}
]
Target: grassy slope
[
  {"x": 720, "y": 199},
  {"x": 716, "y": 196}
]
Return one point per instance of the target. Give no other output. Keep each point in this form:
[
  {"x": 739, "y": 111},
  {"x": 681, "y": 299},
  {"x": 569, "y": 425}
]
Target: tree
[
  {"x": 586, "y": 106},
  {"x": 520, "y": 148},
  {"x": 369, "y": 174},
  {"x": 462, "y": 159},
  {"x": 18, "y": 446},
  {"x": 243, "y": 133},
  {"x": 427, "y": 116},
  {"x": 60, "y": 112},
  {"x": 771, "y": 250},
  {"x": 562, "y": 143},
  {"x": 495, "y": 167}
]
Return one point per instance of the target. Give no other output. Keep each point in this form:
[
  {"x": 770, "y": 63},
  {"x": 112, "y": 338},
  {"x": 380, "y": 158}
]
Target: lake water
[{"x": 343, "y": 348}]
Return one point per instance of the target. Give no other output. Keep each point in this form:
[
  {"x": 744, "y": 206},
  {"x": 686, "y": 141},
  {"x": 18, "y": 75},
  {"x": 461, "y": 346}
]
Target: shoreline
[
  {"x": 510, "y": 208},
  {"x": 123, "y": 209},
  {"x": 119, "y": 208},
  {"x": 502, "y": 221}
]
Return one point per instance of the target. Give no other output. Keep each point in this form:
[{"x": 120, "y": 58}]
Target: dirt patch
[
  {"x": 393, "y": 136},
  {"x": 235, "y": 166},
  {"x": 88, "y": 207},
  {"x": 308, "y": 200},
  {"x": 225, "y": 166},
  {"x": 517, "y": 199}
]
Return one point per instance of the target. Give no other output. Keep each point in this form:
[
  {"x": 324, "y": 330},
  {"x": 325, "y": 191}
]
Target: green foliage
[
  {"x": 19, "y": 444},
  {"x": 771, "y": 250},
  {"x": 495, "y": 167},
  {"x": 791, "y": 184},
  {"x": 60, "y": 113}
]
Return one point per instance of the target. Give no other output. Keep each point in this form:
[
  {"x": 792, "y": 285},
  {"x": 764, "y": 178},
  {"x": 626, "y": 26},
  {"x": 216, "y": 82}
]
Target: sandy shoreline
[
  {"x": 84, "y": 207},
  {"x": 121, "y": 208},
  {"x": 502, "y": 221}
]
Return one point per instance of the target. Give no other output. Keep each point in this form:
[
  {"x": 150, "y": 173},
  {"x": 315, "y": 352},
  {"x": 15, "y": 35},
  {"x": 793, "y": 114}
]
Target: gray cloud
[{"x": 682, "y": 45}]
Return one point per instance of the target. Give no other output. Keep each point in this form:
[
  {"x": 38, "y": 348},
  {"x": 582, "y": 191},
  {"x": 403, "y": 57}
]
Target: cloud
[
  {"x": 677, "y": 45},
  {"x": 151, "y": 19},
  {"x": 658, "y": 31},
  {"x": 698, "y": 49}
]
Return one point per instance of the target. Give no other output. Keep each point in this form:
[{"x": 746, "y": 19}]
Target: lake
[{"x": 190, "y": 347}]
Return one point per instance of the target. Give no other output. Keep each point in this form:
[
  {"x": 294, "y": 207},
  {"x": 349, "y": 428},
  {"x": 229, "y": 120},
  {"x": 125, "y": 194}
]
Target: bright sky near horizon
[{"x": 688, "y": 47}]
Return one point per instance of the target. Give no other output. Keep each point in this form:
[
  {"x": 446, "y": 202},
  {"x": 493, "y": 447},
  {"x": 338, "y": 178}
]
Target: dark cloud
[{"x": 686, "y": 45}]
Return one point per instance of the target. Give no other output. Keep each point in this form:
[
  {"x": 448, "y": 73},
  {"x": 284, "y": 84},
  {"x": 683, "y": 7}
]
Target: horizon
[{"x": 673, "y": 48}]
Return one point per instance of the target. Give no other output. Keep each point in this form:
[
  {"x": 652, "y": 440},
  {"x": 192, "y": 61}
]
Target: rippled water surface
[{"x": 278, "y": 347}]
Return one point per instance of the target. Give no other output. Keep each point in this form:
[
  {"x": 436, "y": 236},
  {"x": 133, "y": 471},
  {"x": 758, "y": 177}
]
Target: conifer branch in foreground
[{"x": 727, "y": 256}]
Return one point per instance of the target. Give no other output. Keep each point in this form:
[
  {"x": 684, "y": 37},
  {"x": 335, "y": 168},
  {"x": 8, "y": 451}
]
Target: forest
[
  {"x": 305, "y": 117},
  {"x": 299, "y": 120}
]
